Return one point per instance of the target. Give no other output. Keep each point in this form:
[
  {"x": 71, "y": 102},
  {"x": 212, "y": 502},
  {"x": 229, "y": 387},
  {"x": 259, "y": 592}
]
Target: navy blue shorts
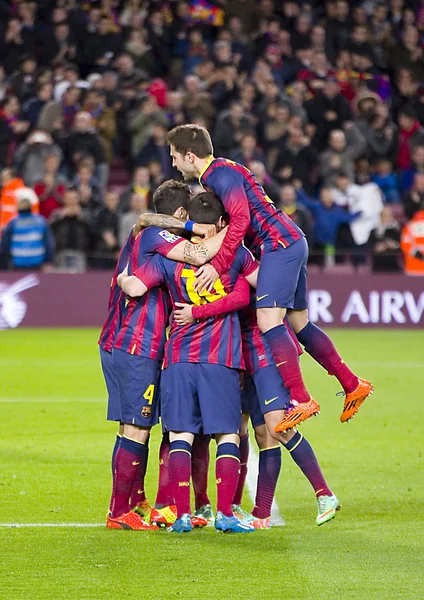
[
  {"x": 138, "y": 380},
  {"x": 200, "y": 395},
  {"x": 111, "y": 379},
  {"x": 264, "y": 392},
  {"x": 282, "y": 277}
]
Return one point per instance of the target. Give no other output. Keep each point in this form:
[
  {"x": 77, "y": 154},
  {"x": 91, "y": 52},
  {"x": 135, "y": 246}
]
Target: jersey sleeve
[
  {"x": 154, "y": 240},
  {"x": 228, "y": 184},
  {"x": 151, "y": 273},
  {"x": 248, "y": 262},
  {"x": 237, "y": 299}
]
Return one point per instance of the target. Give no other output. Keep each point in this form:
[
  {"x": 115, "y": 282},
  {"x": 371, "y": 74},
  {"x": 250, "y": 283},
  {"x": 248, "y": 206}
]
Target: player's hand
[
  {"x": 205, "y": 278},
  {"x": 207, "y": 231},
  {"x": 182, "y": 313}
]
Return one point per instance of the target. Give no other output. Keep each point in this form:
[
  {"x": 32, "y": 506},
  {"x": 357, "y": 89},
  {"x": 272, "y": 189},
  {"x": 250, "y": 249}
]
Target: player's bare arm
[
  {"x": 131, "y": 285},
  {"x": 197, "y": 254},
  {"x": 169, "y": 222}
]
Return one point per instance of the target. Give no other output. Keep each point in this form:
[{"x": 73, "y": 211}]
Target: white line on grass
[
  {"x": 19, "y": 525},
  {"x": 251, "y": 480}
]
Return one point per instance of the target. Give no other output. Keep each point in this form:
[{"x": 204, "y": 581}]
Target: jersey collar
[{"x": 210, "y": 159}]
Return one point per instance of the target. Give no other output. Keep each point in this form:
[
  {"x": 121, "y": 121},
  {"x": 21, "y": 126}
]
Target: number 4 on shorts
[{"x": 149, "y": 393}]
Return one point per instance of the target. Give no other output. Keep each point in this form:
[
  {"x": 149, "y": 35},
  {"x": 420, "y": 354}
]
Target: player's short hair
[
  {"x": 206, "y": 208},
  {"x": 191, "y": 138},
  {"x": 171, "y": 195}
]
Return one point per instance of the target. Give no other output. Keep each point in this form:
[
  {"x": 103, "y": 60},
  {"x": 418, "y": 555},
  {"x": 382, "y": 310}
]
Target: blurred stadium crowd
[{"x": 323, "y": 101}]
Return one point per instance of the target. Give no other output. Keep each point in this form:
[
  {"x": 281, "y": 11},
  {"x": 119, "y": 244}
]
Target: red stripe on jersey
[{"x": 215, "y": 341}]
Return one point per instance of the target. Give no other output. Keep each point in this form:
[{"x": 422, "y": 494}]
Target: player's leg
[
  {"x": 268, "y": 384},
  {"x": 200, "y": 468},
  {"x": 164, "y": 512},
  {"x": 220, "y": 406},
  {"x": 244, "y": 457},
  {"x": 137, "y": 378},
  {"x": 113, "y": 407},
  {"x": 319, "y": 345},
  {"x": 181, "y": 417},
  {"x": 277, "y": 288},
  {"x": 303, "y": 455}
]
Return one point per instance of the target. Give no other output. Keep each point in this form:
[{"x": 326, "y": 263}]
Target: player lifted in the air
[{"x": 282, "y": 277}]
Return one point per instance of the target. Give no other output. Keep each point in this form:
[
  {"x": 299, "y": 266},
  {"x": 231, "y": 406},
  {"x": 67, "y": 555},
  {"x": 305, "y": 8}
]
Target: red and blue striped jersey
[
  {"x": 253, "y": 216},
  {"x": 144, "y": 320},
  {"x": 256, "y": 351},
  {"x": 116, "y": 298},
  {"x": 214, "y": 340}
]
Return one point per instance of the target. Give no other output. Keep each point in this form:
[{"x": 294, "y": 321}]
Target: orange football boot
[
  {"x": 297, "y": 413},
  {"x": 355, "y": 399},
  {"x": 163, "y": 517},
  {"x": 198, "y": 522},
  {"x": 129, "y": 520}
]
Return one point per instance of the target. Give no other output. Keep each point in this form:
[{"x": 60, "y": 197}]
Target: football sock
[
  {"x": 137, "y": 492},
  {"x": 114, "y": 451},
  {"x": 321, "y": 348},
  {"x": 200, "y": 469},
  {"x": 286, "y": 359},
  {"x": 164, "y": 495},
  {"x": 128, "y": 458},
  {"x": 179, "y": 475},
  {"x": 303, "y": 455},
  {"x": 227, "y": 471},
  {"x": 269, "y": 470},
  {"x": 244, "y": 457}
]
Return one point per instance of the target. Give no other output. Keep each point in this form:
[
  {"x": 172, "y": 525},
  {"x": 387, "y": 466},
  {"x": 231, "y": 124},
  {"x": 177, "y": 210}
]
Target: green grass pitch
[{"x": 55, "y": 468}]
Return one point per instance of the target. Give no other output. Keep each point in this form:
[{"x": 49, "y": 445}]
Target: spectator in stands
[
  {"x": 102, "y": 46},
  {"x": 11, "y": 129},
  {"x": 196, "y": 100},
  {"x": 58, "y": 116},
  {"x": 412, "y": 244},
  {"x": 364, "y": 199},
  {"x": 265, "y": 180},
  {"x": 230, "y": 127},
  {"x": 413, "y": 201},
  {"x": 13, "y": 190},
  {"x": 344, "y": 148},
  {"x": 329, "y": 110},
  {"x": 156, "y": 177},
  {"x": 70, "y": 79},
  {"x": 410, "y": 135},
  {"x": 22, "y": 82},
  {"x": 33, "y": 106},
  {"x": 248, "y": 150},
  {"x": 84, "y": 139},
  {"x": 85, "y": 183},
  {"x": 138, "y": 205},
  {"x": 387, "y": 181},
  {"x": 417, "y": 166},
  {"x": 72, "y": 233},
  {"x": 104, "y": 119},
  {"x": 328, "y": 217},
  {"x": 297, "y": 212},
  {"x": 30, "y": 156},
  {"x": 296, "y": 160},
  {"x": 140, "y": 185},
  {"x": 17, "y": 43},
  {"x": 107, "y": 228},
  {"x": 380, "y": 134},
  {"x": 384, "y": 244},
  {"x": 59, "y": 47},
  {"x": 408, "y": 53},
  {"x": 51, "y": 187},
  {"x": 142, "y": 124},
  {"x": 157, "y": 149},
  {"x": 27, "y": 241}
]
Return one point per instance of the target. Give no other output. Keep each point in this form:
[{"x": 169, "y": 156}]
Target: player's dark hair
[
  {"x": 171, "y": 195},
  {"x": 191, "y": 138},
  {"x": 206, "y": 208}
]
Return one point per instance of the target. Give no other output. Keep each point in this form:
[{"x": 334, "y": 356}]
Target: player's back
[
  {"x": 215, "y": 340},
  {"x": 116, "y": 298},
  {"x": 269, "y": 226},
  {"x": 144, "y": 320}
]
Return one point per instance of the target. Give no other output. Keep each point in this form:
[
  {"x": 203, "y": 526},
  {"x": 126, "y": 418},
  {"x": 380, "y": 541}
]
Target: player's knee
[
  {"x": 268, "y": 318},
  {"x": 261, "y": 436},
  {"x": 298, "y": 319},
  {"x": 225, "y": 438}
]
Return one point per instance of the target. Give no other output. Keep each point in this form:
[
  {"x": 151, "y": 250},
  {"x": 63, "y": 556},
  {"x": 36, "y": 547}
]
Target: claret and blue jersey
[
  {"x": 253, "y": 216},
  {"x": 144, "y": 320},
  {"x": 214, "y": 341}
]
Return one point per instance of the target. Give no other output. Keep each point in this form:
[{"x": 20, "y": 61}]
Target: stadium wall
[{"x": 80, "y": 300}]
